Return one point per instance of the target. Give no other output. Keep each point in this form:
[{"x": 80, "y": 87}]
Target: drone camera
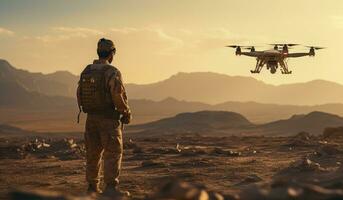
[
  {"x": 312, "y": 52},
  {"x": 238, "y": 51}
]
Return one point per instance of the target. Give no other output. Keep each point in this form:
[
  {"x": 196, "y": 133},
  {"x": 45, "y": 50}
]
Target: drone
[{"x": 273, "y": 58}]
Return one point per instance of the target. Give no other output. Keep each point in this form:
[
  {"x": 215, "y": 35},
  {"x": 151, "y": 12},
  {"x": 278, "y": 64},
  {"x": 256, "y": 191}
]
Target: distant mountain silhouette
[
  {"x": 206, "y": 87},
  {"x": 216, "y": 88},
  {"x": 230, "y": 123},
  {"x": 61, "y": 83},
  {"x": 149, "y": 110},
  {"x": 23, "y": 89},
  {"x": 12, "y": 94}
]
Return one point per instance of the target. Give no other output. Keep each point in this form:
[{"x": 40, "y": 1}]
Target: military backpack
[{"x": 95, "y": 96}]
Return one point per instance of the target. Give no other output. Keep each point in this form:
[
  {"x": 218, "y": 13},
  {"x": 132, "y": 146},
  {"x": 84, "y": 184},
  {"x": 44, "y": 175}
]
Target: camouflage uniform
[{"x": 103, "y": 135}]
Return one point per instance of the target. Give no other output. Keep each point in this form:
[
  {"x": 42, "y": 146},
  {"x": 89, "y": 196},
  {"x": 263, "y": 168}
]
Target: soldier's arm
[{"x": 118, "y": 94}]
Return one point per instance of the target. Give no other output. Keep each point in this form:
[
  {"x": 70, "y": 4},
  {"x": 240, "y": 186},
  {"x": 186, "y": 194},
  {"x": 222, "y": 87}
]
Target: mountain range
[
  {"x": 216, "y": 88},
  {"x": 28, "y": 98},
  {"x": 61, "y": 83},
  {"x": 206, "y": 87}
]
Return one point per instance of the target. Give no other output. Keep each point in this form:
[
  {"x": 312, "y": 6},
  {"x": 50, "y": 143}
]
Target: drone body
[{"x": 274, "y": 58}]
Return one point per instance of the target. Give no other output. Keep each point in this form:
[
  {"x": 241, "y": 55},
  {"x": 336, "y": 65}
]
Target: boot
[
  {"x": 112, "y": 190},
  {"x": 93, "y": 188}
]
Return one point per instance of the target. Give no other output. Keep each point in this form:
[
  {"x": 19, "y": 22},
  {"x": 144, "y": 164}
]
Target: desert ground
[{"x": 298, "y": 167}]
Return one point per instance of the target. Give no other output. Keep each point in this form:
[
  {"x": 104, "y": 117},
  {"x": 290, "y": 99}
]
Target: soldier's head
[{"x": 106, "y": 49}]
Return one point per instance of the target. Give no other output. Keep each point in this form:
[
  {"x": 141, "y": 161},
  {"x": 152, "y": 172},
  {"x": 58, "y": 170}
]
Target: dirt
[{"x": 230, "y": 166}]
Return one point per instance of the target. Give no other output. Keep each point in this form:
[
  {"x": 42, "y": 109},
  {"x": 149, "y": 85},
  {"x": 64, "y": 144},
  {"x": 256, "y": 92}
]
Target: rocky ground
[{"x": 185, "y": 167}]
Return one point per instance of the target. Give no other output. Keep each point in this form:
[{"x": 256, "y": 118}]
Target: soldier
[{"x": 101, "y": 94}]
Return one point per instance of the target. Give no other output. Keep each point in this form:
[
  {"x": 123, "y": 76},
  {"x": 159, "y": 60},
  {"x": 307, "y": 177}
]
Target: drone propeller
[
  {"x": 232, "y": 46},
  {"x": 315, "y": 48},
  {"x": 249, "y": 47},
  {"x": 280, "y": 48},
  {"x": 290, "y": 44},
  {"x": 242, "y": 46}
]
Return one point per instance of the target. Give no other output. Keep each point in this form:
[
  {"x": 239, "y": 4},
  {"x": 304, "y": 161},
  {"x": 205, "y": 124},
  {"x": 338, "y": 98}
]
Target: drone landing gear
[
  {"x": 258, "y": 67},
  {"x": 254, "y": 71},
  {"x": 284, "y": 68},
  {"x": 288, "y": 72}
]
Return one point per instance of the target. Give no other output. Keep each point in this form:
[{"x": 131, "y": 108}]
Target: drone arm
[
  {"x": 297, "y": 55},
  {"x": 250, "y": 54}
]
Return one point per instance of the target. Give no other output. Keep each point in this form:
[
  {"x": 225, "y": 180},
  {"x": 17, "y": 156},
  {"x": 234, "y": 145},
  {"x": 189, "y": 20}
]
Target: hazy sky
[{"x": 158, "y": 38}]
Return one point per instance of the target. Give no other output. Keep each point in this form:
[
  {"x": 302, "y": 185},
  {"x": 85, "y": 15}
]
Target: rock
[
  {"x": 308, "y": 165},
  {"x": 164, "y": 150},
  {"x": 66, "y": 143},
  {"x": 178, "y": 148},
  {"x": 68, "y": 149},
  {"x": 327, "y": 150},
  {"x": 299, "y": 143},
  {"x": 253, "y": 178},
  {"x": 303, "y": 165},
  {"x": 71, "y": 143},
  {"x": 289, "y": 190},
  {"x": 181, "y": 190},
  {"x": 234, "y": 153},
  {"x": 303, "y": 136},
  {"x": 35, "y": 145},
  {"x": 219, "y": 151},
  {"x": 115, "y": 194},
  {"x": 129, "y": 145},
  {"x": 302, "y": 139},
  {"x": 63, "y": 149},
  {"x": 317, "y": 192},
  {"x": 215, "y": 196},
  {"x": 192, "y": 152},
  {"x": 132, "y": 145},
  {"x": 294, "y": 192}
]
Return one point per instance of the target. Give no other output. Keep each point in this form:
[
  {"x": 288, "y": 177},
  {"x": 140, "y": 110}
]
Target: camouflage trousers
[{"x": 103, "y": 140}]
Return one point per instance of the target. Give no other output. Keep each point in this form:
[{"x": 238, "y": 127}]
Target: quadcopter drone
[{"x": 274, "y": 58}]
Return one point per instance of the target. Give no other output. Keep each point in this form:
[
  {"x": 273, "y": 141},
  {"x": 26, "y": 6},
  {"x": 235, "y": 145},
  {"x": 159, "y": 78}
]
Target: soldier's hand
[{"x": 126, "y": 118}]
